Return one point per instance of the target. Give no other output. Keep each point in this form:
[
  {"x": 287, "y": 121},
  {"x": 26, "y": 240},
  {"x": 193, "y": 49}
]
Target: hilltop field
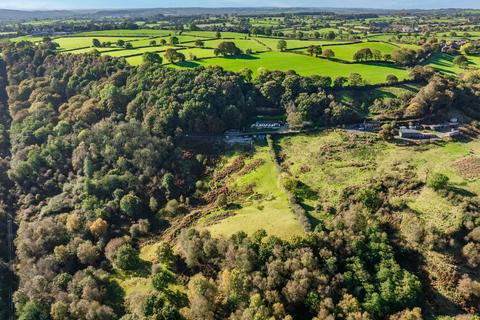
[{"x": 263, "y": 52}]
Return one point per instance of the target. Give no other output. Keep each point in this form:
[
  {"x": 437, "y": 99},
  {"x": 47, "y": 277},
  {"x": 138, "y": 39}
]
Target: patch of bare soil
[{"x": 469, "y": 167}]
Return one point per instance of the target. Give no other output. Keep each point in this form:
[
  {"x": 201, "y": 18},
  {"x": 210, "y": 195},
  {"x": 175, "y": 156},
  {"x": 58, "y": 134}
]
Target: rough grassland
[
  {"x": 330, "y": 162},
  {"x": 265, "y": 207}
]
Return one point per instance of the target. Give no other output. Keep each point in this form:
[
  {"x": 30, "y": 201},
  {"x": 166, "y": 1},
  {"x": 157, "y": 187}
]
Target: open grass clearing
[
  {"x": 126, "y": 33},
  {"x": 137, "y": 59},
  {"x": 240, "y": 43},
  {"x": 367, "y": 97},
  {"x": 140, "y": 51},
  {"x": 264, "y": 206},
  {"x": 346, "y": 52},
  {"x": 444, "y": 63},
  {"x": 330, "y": 162},
  {"x": 68, "y": 43},
  {"x": 272, "y": 43},
  {"x": 213, "y": 34},
  {"x": 302, "y": 64}
]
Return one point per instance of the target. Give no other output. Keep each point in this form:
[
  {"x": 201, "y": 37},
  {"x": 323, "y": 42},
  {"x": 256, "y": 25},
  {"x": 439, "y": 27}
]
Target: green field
[
  {"x": 303, "y": 65},
  {"x": 346, "y": 52},
  {"x": 126, "y": 33},
  {"x": 274, "y": 60},
  {"x": 213, "y": 34},
  {"x": 136, "y": 60},
  {"x": 265, "y": 206},
  {"x": 444, "y": 63},
  {"x": 240, "y": 43},
  {"x": 69, "y": 43},
  {"x": 293, "y": 44}
]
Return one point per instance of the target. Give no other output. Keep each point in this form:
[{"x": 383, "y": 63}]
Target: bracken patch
[{"x": 469, "y": 167}]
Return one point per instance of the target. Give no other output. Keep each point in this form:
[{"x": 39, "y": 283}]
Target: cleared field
[
  {"x": 303, "y": 65},
  {"x": 213, "y": 34},
  {"x": 199, "y": 53},
  {"x": 127, "y": 33},
  {"x": 140, "y": 51},
  {"x": 90, "y": 49},
  {"x": 263, "y": 206},
  {"x": 444, "y": 63},
  {"x": 346, "y": 52},
  {"x": 69, "y": 43},
  {"x": 240, "y": 43},
  {"x": 139, "y": 42},
  {"x": 330, "y": 162},
  {"x": 136, "y": 60},
  {"x": 358, "y": 98},
  {"x": 292, "y": 44}
]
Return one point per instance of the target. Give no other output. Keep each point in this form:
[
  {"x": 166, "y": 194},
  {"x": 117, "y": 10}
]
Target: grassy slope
[
  {"x": 127, "y": 33},
  {"x": 265, "y": 208},
  {"x": 444, "y": 63},
  {"x": 355, "y": 164},
  {"x": 68, "y": 43},
  {"x": 292, "y": 44},
  {"x": 346, "y": 52},
  {"x": 303, "y": 65},
  {"x": 240, "y": 43}
]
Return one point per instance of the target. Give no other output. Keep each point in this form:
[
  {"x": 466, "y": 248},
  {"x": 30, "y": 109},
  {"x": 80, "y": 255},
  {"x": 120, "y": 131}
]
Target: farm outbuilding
[{"x": 410, "y": 134}]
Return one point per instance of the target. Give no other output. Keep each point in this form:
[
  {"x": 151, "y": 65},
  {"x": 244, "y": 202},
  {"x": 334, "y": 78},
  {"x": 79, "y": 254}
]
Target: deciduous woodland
[{"x": 122, "y": 211}]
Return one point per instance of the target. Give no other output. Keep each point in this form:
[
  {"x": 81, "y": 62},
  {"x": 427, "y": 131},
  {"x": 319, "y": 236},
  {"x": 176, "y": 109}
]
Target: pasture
[
  {"x": 71, "y": 43},
  {"x": 302, "y": 64},
  {"x": 272, "y": 43},
  {"x": 444, "y": 63},
  {"x": 346, "y": 52},
  {"x": 126, "y": 33},
  {"x": 242, "y": 44},
  {"x": 258, "y": 199}
]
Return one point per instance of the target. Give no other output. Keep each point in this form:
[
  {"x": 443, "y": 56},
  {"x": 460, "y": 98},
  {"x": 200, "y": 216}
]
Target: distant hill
[{"x": 7, "y": 15}]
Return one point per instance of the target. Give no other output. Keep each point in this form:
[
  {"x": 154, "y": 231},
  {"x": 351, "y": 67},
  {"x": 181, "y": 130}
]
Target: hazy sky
[{"x": 92, "y": 4}]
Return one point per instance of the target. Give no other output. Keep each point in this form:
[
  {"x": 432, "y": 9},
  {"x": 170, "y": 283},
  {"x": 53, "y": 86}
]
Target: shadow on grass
[
  {"x": 384, "y": 64},
  {"x": 242, "y": 57},
  {"x": 188, "y": 64},
  {"x": 461, "y": 191},
  {"x": 115, "y": 296}
]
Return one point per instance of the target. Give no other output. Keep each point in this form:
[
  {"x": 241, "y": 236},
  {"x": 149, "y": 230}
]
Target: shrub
[
  {"x": 438, "y": 181},
  {"x": 161, "y": 279},
  {"x": 126, "y": 257},
  {"x": 370, "y": 199}
]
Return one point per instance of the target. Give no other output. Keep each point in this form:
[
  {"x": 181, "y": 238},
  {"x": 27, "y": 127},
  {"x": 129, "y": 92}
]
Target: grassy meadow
[
  {"x": 302, "y": 64},
  {"x": 259, "y": 200}
]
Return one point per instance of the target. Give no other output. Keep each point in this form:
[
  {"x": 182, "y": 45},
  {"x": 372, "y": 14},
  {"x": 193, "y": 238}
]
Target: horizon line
[{"x": 233, "y": 7}]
